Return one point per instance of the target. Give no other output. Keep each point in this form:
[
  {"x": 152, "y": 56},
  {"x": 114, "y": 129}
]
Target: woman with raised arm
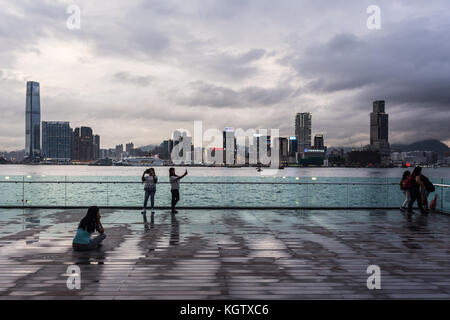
[{"x": 175, "y": 187}]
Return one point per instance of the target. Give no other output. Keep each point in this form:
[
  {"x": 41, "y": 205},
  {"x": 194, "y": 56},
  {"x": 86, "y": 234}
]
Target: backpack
[
  {"x": 408, "y": 183},
  {"x": 427, "y": 183}
]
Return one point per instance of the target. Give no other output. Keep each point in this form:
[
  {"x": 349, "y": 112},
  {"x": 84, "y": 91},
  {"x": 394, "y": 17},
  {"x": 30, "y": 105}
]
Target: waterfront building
[
  {"x": 303, "y": 124},
  {"x": 96, "y": 147},
  {"x": 379, "y": 129},
  {"x": 83, "y": 144},
  {"x": 129, "y": 148},
  {"x": 33, "y": 120},
  {"x": 118, "y": 151},
  {"x": 319, "y": 142},
  {"x": 311, "y": 157},
  {"x": 229, "y": 141},
  {"x": 57, "y": 140}
]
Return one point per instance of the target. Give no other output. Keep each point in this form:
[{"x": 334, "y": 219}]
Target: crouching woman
[{"x": 88, "y": 225}]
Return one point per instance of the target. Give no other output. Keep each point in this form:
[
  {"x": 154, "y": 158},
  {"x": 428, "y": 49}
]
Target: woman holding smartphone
[{"x": 150, "y": 180}]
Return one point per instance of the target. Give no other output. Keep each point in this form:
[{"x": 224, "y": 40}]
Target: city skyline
[{"x": 214, "y": 61}]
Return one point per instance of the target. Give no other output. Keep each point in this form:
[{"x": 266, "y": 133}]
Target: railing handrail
[{"x": 217, "y": 182}]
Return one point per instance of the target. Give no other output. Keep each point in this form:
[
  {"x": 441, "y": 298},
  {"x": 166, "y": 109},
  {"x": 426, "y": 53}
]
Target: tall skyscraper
[
  {"x": 229, "y": 140},
  {"x": 303, "y": 131},
  {"x": 379, "y": 128},
  {"x": 56, "y": 140},
  {"x": 33, "y": 120},
  {"x": 96, "y": 146}
]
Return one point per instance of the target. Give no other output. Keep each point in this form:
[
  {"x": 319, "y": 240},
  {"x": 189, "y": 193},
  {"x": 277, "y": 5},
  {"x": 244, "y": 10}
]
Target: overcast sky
[{"x": 137, "y": 70}]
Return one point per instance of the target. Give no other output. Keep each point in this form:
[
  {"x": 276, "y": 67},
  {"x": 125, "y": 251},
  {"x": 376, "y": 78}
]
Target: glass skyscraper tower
[
  {"x": 303, "y": 131},
  {"x": 33, "y": 120}
]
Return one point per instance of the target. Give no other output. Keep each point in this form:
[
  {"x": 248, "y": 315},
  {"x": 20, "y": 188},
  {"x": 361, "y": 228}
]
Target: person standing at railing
[
  {"x": 414, "y": 183},
  {"x": 175, "y": 187},
  {"x": 150, "y": 179},
  {"x": 426, "y": 188},
  {"x": 405, "y": 190},
  {"x": 88, "y": 225}
]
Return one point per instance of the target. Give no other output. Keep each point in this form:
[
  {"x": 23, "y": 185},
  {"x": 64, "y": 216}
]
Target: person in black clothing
[
  {"x": 425, "y": 190},
  {"x": 414, "y": 183},
  {"x": 405, "y": 191}
]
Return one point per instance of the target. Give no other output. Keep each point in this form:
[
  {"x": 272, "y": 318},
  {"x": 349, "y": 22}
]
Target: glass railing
[{"x": 212, "y": 192}]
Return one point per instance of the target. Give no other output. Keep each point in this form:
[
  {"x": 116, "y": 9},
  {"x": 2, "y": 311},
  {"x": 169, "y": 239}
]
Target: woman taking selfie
[{"x": 150, "y": 179}]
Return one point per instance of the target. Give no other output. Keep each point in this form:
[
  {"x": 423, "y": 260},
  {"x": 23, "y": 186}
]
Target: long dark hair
[
  {"x": 172, "y": 172},
  {"x": 148, "y": 171},
  {"x": 90, "y": 221},
  {"x": 417, "y": 172},
  {"x": 406, "y": 174}
]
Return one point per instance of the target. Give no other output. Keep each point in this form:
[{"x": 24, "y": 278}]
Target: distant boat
[{"x": 139, "y": 161}]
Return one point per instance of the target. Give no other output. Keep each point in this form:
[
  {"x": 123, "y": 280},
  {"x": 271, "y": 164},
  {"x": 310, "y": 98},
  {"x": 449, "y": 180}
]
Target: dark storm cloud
[
  {"x": 229, "y": 66},
  {"x": 247, "y": 63},
  {"x": 406, "y": 65},
  {"x": 210, "y": 95}
]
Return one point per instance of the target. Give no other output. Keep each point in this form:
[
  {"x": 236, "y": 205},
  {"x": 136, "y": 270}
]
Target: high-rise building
[
  {"x": 303, "y": 131},
  {"x": 379, "y": 128},
  {"x": 33, "y": 120},
  {"x": 318, "y": 142},
  {"x": 56, "y": 140},
  {"x": 86, "y": 144},
  {"x": 129, "y": 148},
  {"x": 229, "y": 140},
  {"x": 76, "y": 144},
  {"x": 293, "y": 146},
  {"x": 282, "y": 144},
  {"x": 83, "y": 144},
  {"x": 118, "y": 151},
  {"x": 96, "y": 146}
]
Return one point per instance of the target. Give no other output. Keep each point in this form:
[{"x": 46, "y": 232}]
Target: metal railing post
[
  {"x": 23, "y": 191},
  {"x": 348, "y": 203},
  {"x": 307, "y": 194},
  {"x": 387, "y": 193},
  {"x": 107, "y": 192},
  {"x": 65, "y": 191}
]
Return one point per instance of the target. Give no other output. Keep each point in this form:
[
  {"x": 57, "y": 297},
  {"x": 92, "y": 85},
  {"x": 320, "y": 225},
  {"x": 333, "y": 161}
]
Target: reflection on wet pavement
[{"x": 227, "y": 254}]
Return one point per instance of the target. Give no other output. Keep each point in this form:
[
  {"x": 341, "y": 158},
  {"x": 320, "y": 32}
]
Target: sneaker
[{"x": 143, "y": 212}]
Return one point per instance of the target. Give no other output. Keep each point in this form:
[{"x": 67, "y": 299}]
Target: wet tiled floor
[{"x": 227, "y": 254}]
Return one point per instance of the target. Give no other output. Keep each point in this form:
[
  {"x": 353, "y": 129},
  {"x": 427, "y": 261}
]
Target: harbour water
[{"x": 37, "y": 185}]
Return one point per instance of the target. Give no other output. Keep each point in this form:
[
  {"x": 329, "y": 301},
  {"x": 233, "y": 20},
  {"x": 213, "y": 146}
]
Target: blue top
[{"x": 82, "y": 237}]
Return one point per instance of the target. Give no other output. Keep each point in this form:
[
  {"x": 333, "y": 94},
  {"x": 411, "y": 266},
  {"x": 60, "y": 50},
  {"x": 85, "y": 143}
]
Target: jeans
[
  {"x": 175, "y": 197},
  {"x": 415, "y": 195},
  {"x": 151, "y": 194},
  {"x": 92, "y": 244},
  {"x": 407, "y": 198}
]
